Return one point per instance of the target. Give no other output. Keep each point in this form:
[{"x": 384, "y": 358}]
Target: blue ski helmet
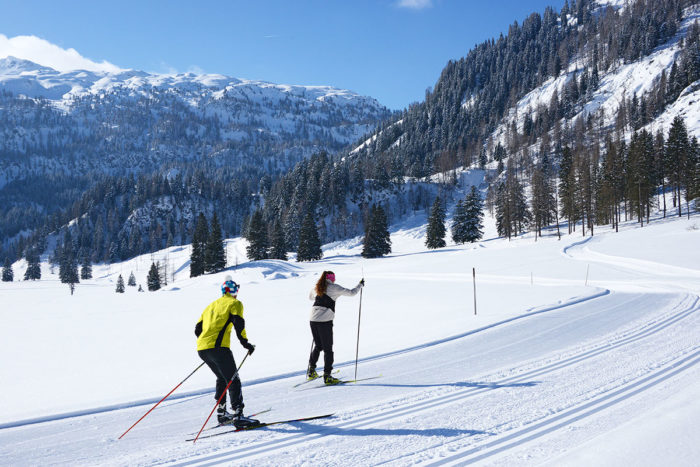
[{"x": 229, "y": 286}]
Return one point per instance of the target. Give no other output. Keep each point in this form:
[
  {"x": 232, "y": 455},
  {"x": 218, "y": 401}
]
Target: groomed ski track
[{"x": 511, "y": 393}]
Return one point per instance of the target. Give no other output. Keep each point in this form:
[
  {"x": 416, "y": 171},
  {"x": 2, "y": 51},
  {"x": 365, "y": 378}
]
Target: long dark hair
[{"x": 322, "y": 283}]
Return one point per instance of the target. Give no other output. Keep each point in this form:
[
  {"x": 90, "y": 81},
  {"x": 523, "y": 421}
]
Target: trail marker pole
[
  {"x": 474, "y": 280},
  {"x": 588, "y": 267}
]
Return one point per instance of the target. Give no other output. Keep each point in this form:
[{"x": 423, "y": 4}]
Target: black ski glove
[
  {"x": 250, "y": 347},
  {"x": 362, "y": 282}
]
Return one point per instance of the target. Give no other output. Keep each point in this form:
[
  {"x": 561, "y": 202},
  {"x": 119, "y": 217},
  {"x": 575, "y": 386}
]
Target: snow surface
[{"x": 583, "y": 351}]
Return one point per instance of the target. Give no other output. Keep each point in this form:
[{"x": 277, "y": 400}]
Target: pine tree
[
  {"x": 257, "y": 237},
  {"x": 377, "y": 241},
  {"x": 68, "y": 266},
  {"x": 132, "y": 280},
  {"x": 199, "y": 241},
  {"x": 153, "y": 279},
  {"x": 278, "y": 250},
  {"x": 474, "y": 210},
  {"x": 309, "y": 242},
  {"x": 215, "y": 255},
  {"x": 435, "y": 233},
  {"x": 7, "y": 274},
  {"x": 695, "y": 191},
  {"x": 120, "y": 284},
  {"x": 567, "y": 187},
  {"x": 140, "y": 288},
  {"x": 678, "y": 156},
  {"x": 86, "y": 268},
  {"x": 459, "y": 223},
  {"x": 33, "y": 271}
]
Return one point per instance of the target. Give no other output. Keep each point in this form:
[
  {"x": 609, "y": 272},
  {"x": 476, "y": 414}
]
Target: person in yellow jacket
[{"x": 213, "y": 331}]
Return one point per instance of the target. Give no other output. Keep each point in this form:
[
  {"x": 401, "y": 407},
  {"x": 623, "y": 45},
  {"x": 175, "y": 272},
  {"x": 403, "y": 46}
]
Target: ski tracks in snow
[{"x": 492, "y": 429}]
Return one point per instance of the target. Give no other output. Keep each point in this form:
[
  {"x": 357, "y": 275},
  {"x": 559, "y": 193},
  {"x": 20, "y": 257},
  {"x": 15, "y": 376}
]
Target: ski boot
[
  {"x": 240, "y": 421},
  {"x": 224, "y": 417},
  {"x": 329, "y": 380},
  {"x": 311, "y": 374}
]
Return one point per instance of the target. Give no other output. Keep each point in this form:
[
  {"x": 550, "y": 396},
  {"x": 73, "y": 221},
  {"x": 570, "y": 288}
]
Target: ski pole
[
  {"x": 357, "y": 347},
  {"x": 221, "y": 397},
  {"x": 166, "y": 396}
]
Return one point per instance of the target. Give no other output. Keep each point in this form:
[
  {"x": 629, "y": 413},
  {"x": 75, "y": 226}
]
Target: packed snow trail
[
  {"x": 518, "y": 389},
  {"x": 433, "y": 407}
]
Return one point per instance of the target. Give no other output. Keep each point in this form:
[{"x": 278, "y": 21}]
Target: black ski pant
[
  {"x": 221, "y": 362},
  {"x": 323, "y": 340}
]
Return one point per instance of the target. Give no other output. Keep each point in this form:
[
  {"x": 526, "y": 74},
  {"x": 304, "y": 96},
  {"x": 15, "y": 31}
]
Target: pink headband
[{"x": 330, "y": 277}]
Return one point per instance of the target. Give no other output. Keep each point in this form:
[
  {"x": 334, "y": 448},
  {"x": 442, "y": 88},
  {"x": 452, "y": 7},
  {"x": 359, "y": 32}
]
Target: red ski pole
[
  {"x": 166, "y": 396},
  {"x": 220, "y": 397}
]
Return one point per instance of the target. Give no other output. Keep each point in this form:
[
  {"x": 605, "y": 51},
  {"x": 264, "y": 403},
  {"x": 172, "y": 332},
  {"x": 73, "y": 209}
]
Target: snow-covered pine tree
[
  {"x": 435, "y": 232},
  {"x": 7, "y": 274},
  {"x": 377, "y": 241},
  {"x": 474, "y": 216},
  {"x": 257, "y": 237},
  {"x": 120, "y": 284},
  {"x": 68, "y": 266},
  {"x": 309, "y": 242},
  {"x": 199, "y": 241},
  {"x": 215, "y": 255},
  {"x": 153, "y": 278},
  {"x": 132, "y": 280},
  {"x": 278, "y": 250},
  {"x": 33, "y": 271},
  {"x": 86, "y": 268},
  {"x": 459, "y": 221}
]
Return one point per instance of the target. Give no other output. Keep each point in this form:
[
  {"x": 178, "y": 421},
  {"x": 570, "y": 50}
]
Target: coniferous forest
[{"x": 556, "y": 166}]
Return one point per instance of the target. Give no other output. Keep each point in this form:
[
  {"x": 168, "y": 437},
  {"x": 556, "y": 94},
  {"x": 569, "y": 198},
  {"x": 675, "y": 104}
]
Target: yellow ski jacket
[{"x": 213, "y": 329}]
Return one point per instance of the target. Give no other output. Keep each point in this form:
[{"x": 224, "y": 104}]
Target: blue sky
[{"x": 388, "y": 49}]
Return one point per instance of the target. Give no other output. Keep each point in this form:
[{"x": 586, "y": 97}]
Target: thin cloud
[
  {"x": 415, "y": 4},
  {"x": 45, "y": 53}
]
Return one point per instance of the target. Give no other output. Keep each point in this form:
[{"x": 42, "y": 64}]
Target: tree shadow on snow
[
  {"x": 445, "y": 432},
  {"x": 459, "y": 384}
]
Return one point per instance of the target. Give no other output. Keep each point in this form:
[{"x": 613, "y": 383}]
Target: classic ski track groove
[
  {"x": 688, "y": 305},
  {"x": 565, "y": 417}
]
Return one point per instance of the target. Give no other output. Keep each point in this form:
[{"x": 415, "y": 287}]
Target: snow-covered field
[{"x": 584, "y": 351}]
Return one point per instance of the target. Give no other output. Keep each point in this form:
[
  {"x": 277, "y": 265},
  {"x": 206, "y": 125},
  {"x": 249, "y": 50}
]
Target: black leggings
[
  {"x": 323, "y": 340},
  {"x": 221, "y": 362}
]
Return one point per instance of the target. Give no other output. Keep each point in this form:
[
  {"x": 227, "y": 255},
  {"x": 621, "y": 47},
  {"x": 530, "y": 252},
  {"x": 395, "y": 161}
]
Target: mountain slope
[{"x": 560, "y": 97}]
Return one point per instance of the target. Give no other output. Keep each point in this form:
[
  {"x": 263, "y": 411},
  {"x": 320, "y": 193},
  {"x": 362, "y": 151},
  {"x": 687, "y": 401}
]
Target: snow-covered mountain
[
  {"x": 23, "y": 77},
  {"x": 63, "y": 132},
  {"x": 82, "y": 120}
]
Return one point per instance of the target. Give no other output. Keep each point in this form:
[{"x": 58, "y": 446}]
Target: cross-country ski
[{"x": 263, "y": 425}]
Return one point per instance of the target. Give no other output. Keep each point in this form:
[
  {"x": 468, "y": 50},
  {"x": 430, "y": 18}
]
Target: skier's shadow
[{"x": 459, "y": 384}]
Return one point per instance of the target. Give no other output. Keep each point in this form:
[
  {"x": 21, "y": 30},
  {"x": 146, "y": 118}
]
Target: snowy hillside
[
  {"x": 615, "y": 86},
  {"x": 582, "y": 351}
]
